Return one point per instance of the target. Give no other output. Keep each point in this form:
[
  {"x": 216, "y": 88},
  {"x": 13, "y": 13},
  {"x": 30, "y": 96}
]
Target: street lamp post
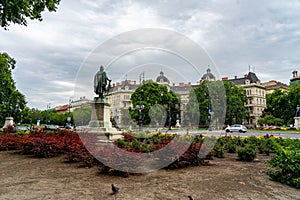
[
  {"x": 140, "y": 108},
  {"x": 31, "y": 120},
  {"x": 210, "y": 120},
  {"x": 170, "y": 116},
  {"x": 48, "y": 107},
  {"x": 69, "y": 109},
  {"x": 210, "y": 113},
  {"x": 81, "y": 108},
  {"x": 169, "y": 111}
]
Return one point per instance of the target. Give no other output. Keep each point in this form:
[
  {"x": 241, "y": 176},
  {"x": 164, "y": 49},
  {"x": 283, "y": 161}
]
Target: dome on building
[
  {"x": 208, "y": 76},
  {"x": 162, "y": 79}
]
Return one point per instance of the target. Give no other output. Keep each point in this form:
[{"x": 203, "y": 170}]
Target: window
[{"x": 126, "y": 97}]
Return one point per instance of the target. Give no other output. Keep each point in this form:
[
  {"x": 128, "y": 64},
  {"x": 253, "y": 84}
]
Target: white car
[{"x": 236, "y": 128}]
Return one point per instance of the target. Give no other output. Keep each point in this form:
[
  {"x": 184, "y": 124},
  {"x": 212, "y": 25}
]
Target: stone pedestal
[
  {"x": 100, "y": 122},
  {"x": 297, "y": 122},
  {"x": 177, "y": 124},
  {"x": 8, "y": 121}
]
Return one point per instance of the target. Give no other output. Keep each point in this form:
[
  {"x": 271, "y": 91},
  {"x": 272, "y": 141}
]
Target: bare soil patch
[{"x": 24, "y": 177}]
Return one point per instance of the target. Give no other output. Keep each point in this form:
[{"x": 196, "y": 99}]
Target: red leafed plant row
[{"x": 63, "y": 142}]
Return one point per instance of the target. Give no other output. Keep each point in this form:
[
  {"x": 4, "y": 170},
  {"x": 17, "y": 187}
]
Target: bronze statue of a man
[{"x": 101, "y": 83}]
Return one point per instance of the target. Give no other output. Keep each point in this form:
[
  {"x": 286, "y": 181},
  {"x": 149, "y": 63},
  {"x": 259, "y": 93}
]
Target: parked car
[
  {"x": 22, "y": 128},
  {"x": 236, "y": 128},
  {"x": 68, "y": 126},
  {"x": 52, "y": 127}
]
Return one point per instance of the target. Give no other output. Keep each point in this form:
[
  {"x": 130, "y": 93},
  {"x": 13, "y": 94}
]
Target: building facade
[
  {"x": 256, "y": 95},
  {"x": 272, "y": 85},
  {"x": 119, "y": 98}
]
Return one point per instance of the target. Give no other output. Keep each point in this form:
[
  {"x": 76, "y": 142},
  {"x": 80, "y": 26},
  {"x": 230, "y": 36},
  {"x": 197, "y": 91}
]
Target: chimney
[
  {"x": 134, "y": 82},
  {"x": 246, "y": 76},
  {"x": 225, "y": 79},
  {"x": 189, "y": 83},
  {"x": 181, "y": 84},
  {"x": 173, "y": 84},
  {"x": 235, "y": 77}
]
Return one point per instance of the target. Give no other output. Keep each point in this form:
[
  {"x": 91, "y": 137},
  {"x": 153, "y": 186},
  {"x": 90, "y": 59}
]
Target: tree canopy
[
  {"x": 211, "y": 101},
  {"x": 236, "y": 112},
  {"x": 283, "y": 104},
  {"x": 270, "y": 120},
  {"x": 18, "y": 11},
  {"x": 157, "y": 102},
  {"x": 12, "y": 102}
]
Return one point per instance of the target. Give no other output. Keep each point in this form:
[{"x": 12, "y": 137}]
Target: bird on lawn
[
  {"x": 190, "y": 197},
  {"x": 114, "y": 189}
]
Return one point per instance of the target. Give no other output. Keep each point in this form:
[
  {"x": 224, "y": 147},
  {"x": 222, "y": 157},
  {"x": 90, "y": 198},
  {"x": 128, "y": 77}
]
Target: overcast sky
[{"x": 234, "y": 34}]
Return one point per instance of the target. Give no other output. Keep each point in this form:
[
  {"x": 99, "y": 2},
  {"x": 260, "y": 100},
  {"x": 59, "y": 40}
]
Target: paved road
[{"x": 223, "y": 133}]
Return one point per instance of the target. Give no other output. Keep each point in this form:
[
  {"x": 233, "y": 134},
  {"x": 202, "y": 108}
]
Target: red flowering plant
[{"x": 9, "y": 142}]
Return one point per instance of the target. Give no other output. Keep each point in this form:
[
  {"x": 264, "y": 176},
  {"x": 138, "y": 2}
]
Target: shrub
[
  {"x": 9, "y": 142},
  {"x": 218, "y": 151},
  {"x": 265, "y": 145},
  {"x": 231, "y": 146},
  {"x": 247, "y": 153},
  {"x": 285, "y": 167}
]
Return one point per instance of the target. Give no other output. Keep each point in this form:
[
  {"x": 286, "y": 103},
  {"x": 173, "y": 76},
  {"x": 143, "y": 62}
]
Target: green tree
[
  {"x": 192, "y": 114},
  {"x": 277, "y": 104},
  {"x": 149, "y": 95},
  {"x": 82, "y": 116},
  {"x": 218, "y": 98},
  {"x": 12, "y": 102},
  {"x": 283, "y": 104},
  {"x": 197, "y": 107},
  {"x": 59, "y": 118},
  {"x": 18, "y": 11},
  {"x": 291, "y": 104},
  {"x": 236, "y": 112},
  {"x": 270, "y": 120}
]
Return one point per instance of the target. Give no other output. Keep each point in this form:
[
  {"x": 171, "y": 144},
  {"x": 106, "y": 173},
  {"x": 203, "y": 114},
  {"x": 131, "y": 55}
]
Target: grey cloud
[{"x": 264, "y": 34}]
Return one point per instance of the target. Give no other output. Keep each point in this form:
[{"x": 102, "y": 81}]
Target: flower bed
[{"x": 284, "y": 165}]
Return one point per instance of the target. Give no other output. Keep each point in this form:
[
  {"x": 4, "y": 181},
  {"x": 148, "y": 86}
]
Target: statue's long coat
[{"x": 100, "y": 82}]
